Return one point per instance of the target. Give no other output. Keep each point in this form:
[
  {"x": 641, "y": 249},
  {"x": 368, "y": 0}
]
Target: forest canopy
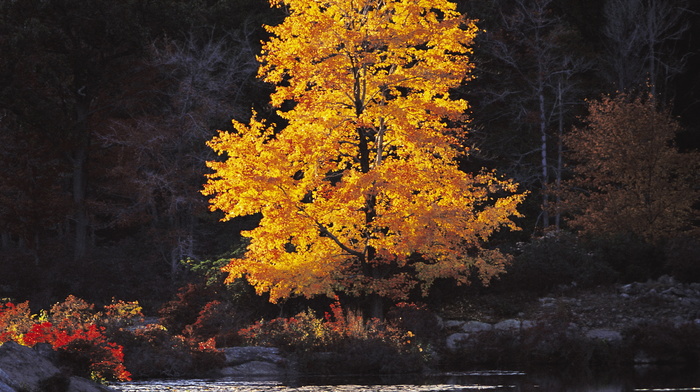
[{"x": 106, "y": 109}]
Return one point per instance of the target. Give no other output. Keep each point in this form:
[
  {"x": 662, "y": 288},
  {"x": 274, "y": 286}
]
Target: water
[{"x": 648, "y": 380}]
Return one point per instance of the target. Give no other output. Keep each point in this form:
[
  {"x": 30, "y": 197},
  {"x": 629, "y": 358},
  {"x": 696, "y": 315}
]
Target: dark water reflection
[{"x": 643, "y": 380}]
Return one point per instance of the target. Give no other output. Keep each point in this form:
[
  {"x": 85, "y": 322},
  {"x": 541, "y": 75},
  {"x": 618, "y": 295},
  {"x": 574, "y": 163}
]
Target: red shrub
[
  {"x": 85, "y": 349},
  {"x": 72, "y": 331},
  {"x": 218, "y": 322}
]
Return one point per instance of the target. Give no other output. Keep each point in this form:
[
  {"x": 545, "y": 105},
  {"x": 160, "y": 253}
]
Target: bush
[
  {"x": 555, "y": 260},
  {"x": 120, "y": 314},
  {"x": 682, "y": 256},
  {"x": 631, "y": 258},
  {"x": 151, "y": 351},
  {"x": 184, "y": 309},
  {"x": 417, "y": 319},
  {"x": 665, "y": 342},
  {"x": 218, "y": 321},
  {"x": 71, "y": 329},
  {"x": 84, "y": 349},
  {"x": 103, "y": 345},
  {"x": 340, "y": 342},
  {"x": 15, "y": 321}
]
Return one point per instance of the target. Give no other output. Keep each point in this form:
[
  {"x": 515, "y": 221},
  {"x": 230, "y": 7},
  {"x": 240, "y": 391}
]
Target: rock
[
  {"x": 254, "y": 361},
  {"x": 642, "y": 358},
  {"x": 604, "y": 334},
  {"x": 440, "y": 322},
  {"x": 25, "y": 369},
  {"x": 453, "y": 324},
  {"x": 4, "y": 380},
  {"x": 508, "y": 325},
  {"x": 241, "y": 355},
  {"x": 79, "y": 384},
  {"x": 666, "y": 280},
  {"x": 453, "y": 341},
  {"x": 626, "y": 289},
  {"x": 476, "y": 326},
  {"x": 254, "y": 368}
]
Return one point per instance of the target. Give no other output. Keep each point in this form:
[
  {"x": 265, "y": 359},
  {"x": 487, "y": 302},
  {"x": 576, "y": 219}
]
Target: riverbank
[
  {"x": 615, "y": 307},
  {"x": 614, "y": 327},
  {"x": 611, "y": 329},
  {"x": 655, "y": 322}
]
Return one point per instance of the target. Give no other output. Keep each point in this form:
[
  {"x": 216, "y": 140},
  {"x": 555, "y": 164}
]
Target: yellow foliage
[{"x": 361, "y": 192}]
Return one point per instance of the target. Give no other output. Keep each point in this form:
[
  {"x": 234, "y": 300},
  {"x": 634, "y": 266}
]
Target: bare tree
[
  {"x": 534, "y": 89},
  {"x": 640, "y": 37},
  {"x": 201, "y": 85}
]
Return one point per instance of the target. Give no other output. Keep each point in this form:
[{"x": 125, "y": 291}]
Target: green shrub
[
  {"x": 152, "y": 351},
  {"x": 555, "y": 260},
  {"x": 682, "y": 259},
  {"x": 631, "y": 258},
  {"x": 417, "y": 319},
  {"x": 665, "y": 342}
]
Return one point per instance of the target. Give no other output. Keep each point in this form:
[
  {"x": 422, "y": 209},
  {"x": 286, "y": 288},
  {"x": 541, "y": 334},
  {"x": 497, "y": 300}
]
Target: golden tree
[
  {"x": 360, "y": 192},
  {"x": 629, "y": 178}
]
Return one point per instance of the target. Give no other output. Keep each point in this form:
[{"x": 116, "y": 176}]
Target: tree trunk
[
  {"x": 80, "y": 158},
  {"x": 560, "y": 155},
  {"x": 543, "y": 150},
  {"x": 5, "y": 240},
  {"x": 376, "y": 306}
]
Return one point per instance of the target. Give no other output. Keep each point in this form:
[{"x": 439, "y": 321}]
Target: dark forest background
[{"x": 105, "y": 108}]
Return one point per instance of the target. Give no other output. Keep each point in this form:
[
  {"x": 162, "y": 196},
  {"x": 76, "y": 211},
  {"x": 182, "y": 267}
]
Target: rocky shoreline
[
  {"x": 631, "y": 324},
  {"x": 655, "y": 322}
]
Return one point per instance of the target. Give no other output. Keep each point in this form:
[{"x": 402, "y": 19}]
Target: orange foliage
[
  {"x": 15, "y": 320},
  {"x": 360, "y": 193},
  {"x": 629, "y": 176},
  {"x": 339, "y": 327}
]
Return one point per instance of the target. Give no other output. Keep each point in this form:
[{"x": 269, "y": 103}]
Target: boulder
[
  {"x": 453, "y": 324},
  {"x": 453, "y": 341},
  {"x": 527, "y": 324},
  {"x": 4, "y": 380},
  {"x": 605, "y": 335},
  {"x": 241, "y": 355},
  {"x": 476, "y": 326},
  {"x": 23, "y": 367},
  {"x": 254, "y": 368},
  {"x": 508, "y": 325},
  {"x": 26, "y": 369},
  {"x": 254, "y": 361}
]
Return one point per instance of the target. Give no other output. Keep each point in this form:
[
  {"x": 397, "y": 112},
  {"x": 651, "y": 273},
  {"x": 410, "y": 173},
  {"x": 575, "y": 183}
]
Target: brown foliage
[{"x": 629, "y": 177}]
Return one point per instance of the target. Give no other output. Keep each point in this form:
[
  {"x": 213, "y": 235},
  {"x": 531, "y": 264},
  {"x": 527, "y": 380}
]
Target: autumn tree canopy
[
  {"x": 629, "y": 178},
  {"x": 360, "y": 191}
]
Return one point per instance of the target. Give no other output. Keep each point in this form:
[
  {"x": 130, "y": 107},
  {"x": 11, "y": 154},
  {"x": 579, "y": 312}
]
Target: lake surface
[{"x": 645, "y": 380}]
